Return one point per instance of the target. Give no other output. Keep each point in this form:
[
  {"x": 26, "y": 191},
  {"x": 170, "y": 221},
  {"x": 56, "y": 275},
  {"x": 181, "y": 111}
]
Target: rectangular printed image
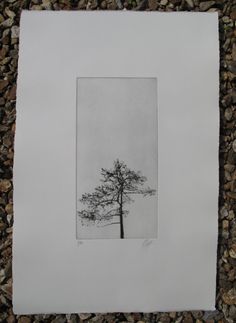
[{"x": 116, "y": 158}]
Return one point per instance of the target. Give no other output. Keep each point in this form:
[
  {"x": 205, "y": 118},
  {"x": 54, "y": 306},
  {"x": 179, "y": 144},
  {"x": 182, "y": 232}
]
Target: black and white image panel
[{"x": 116, "y": 158}]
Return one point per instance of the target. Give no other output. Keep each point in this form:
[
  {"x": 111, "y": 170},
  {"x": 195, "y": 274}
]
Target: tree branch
[{"x": 105, "y": 225}]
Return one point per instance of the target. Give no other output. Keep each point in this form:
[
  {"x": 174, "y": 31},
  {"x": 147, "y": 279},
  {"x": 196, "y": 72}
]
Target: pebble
[
  {"x": 163, "y": 2},
  {"x": 223, "y": 212},
  {"x": 47, "y": 4},
  {"x": 229, "y": 168},
  {"x": 11, "y": 319},
  {"x": 234, "y": 145},
  {"x": 15, "y": 31},
  {"x": 3, "y": 84},
  {"x": 227, "y": 176},
  {"x": 11, "y": 95},
  {"x": 232, "y": 157},
  {"x": 233, "y": 14},
  {"x": 228, "y": 114},
  {"x": 190, "y": 3},
  {"x": 7, "y": 289},
  {"x": 9, "y": 208},
  {"x": 232, "y": 66},
  {"x": 232, "y": 251},
  {"x": 7, "y": 23},
  {"x": 5, "y": 185},
  {"x": 172, "y": 315},
  {"x": 231, "y": 215},
  {"x": 84, "y": 316},
  {"x": 231, "y": 195},
  {"x": 204, "y": 6},
  {"x": 232, "y": 312},
  {"x": 188, "y": 320},
  {"x": 10, "y": 13},
  {"x": 1, "y": 18},
  {"x": 103, "y": 4},
  {"x": 24, "y": 319},
  {"x": 153, "y": 4},
  {"x": 234, "y": 48},
  {"x": 225, "y": 224},
  {"x": 230, "y": 297},
  {"x": 59, "y": 319}
]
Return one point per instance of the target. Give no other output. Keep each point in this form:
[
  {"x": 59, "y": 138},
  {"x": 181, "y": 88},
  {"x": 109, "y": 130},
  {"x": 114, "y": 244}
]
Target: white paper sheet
[{"x": 52, "y": 271}]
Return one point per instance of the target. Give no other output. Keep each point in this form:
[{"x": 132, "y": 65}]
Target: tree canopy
[{"x": 105, "y": 206}]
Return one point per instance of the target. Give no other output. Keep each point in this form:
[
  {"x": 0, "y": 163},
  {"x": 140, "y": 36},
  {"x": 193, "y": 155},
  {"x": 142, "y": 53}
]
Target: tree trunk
[{"x": 121, "y": 216}]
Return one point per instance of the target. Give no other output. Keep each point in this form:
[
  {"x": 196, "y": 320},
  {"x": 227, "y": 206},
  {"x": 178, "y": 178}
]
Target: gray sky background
[{"x": 117, "y": 118}]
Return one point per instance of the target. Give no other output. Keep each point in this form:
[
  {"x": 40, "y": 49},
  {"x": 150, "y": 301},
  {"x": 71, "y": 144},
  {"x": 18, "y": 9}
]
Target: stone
[
  {"x": 7, "y": 140},
  {"x": 229, "y": 98},
  {"x": 232, "y": 186},
  {"x": 5, "y": 185},
  {"x": 7, "y": 289},
  {"x": 232, "y": 157},
  {"x": 204, "y": 6},
  {"x": 231, "y": 215},
  {"x": 233, "y": 14},
  {"x": 231, "y": 195},
  {"x": 11, "y": 319},
  {"x": 59, "y": 319},
  {"x": 234, "y": 175},
  {"x": 111, "y": 4},
  {"x": 225, "y": 224},
  {"x": 1, "y": 18},
  {"x": 36, "y": 7},
  {"x": 15, "y": 31},
  {"x": 84, "y": 316},
  {"x": 3, "y": 84},
  {"x": 188, "y": 320},
  {"x": 190, "y": 3},
  {"x": 232, "y": 251},
  {"x": 12, "y": 93},
  {"x": 103, "y": 4},
  {"x": 229, "y": 168},
  {"x": 232, "y": 67},
  {"x": 234, "y": 145},
  {"x": 234, "y": 50},
  {"x": 153, "y": 4},
  {"x": 226, "y": 19},
  {"x": 228, "y": 114},
  {"x": 232, "y": 312},
  {"x": 7, "y": 23},
  {"x": 119, "y": 4},
  {"x": 9, "y": 208},
  {"x": 227, "y": 176},
  {"x": 11, "y": 14},
  {"x": 3, "y": 52},
  {"x": 2, "y": 101},
  {"x": 3, "y": 128},
  {"x": 223, "y": 212},
  {"x": 24, "y": 319},
  {"x": 230, "y": 297},
  {"x": 163, "y": 3},
  {"x": 47, "y": 4},
  {"x": 2, "y": 226}
]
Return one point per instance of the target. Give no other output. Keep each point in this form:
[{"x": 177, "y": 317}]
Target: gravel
[{"x": 226, "y": 263}]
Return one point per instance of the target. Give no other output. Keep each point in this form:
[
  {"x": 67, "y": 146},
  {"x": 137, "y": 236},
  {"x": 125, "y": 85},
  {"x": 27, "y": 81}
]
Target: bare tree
[{"x": 106, "y": 203}]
